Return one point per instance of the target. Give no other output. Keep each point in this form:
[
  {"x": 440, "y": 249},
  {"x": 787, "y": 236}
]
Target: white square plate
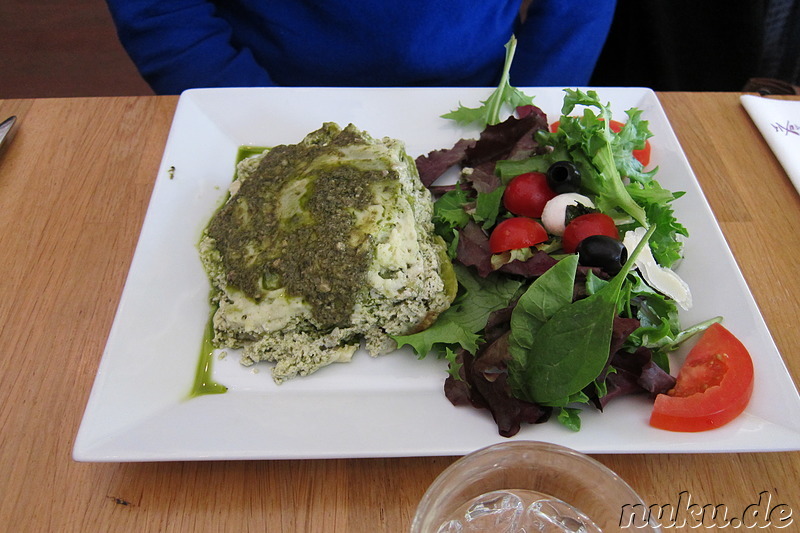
[{"x": 139, "y": 408}]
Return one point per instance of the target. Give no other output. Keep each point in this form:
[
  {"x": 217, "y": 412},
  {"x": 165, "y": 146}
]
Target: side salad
[{"x": 563, "y": 243}]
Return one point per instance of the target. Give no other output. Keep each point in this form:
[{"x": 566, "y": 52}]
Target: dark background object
[
  {"x": 701, "y": 45},
  {"x": 683, "y": 45},
  {"x": 780, "y": 55}
]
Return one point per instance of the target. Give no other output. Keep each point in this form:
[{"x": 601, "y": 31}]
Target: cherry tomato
[
  {"x": 514, "y": 233},
  {"x": 585, "y": 226},
  {"x": 713, "y": 386},
  {"x": 643, "y": 154},
  {"x": 526, "y": 194}
]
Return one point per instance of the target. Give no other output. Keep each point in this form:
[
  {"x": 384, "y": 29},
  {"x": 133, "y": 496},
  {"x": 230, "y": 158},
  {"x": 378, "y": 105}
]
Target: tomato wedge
[
  {"x": 515, "y": 233},
  {"x": 713, "y": 386},
  {"x": 643, "y": 154}
]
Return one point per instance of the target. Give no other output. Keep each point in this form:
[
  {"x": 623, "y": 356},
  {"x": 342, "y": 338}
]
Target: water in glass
[{"x": 517, "y": 511}]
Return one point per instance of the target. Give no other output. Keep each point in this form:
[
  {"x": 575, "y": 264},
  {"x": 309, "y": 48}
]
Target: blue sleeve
[
  {"x": 560, "y": 41},
  {"x": 177, "y": 44}
]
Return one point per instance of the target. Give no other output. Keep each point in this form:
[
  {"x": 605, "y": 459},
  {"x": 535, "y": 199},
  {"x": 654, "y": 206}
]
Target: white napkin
[{"x": 779, "y": 123}]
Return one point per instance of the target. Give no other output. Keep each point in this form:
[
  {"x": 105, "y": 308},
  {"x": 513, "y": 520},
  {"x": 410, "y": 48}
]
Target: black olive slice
[
  {"x": 563, "y": 176},
  {"x": 602, "y": 251}
]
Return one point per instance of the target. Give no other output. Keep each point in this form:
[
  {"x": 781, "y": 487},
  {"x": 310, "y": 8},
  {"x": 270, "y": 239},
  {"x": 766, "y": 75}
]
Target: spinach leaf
[
  {"x": 570, "y": 349},
  {"x": 487, "y": 207},
  {"x": 549, "y": 293}
]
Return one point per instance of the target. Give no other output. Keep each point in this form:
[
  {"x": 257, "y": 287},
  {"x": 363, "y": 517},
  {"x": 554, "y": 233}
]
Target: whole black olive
[
  {"x": 563, "y": 176},
  {"x": 602, "y": 251}
]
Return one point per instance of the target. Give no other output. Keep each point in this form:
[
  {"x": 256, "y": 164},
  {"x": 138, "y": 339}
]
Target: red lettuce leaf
[
  {"x": 496, "y": 142},
  {"x": 484, "y": 385},
  {"x": 436, "y": 163}
]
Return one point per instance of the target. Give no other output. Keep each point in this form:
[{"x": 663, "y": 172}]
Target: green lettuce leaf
[
  {"x": 487, "y": 207},
  {"x": 449, "y": 211},
  {"x": 504, "y": 96},
  {"x": 462, "y": 323}
]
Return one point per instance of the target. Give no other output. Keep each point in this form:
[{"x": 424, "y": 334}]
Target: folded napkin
[{"x": 779, "y": 123}]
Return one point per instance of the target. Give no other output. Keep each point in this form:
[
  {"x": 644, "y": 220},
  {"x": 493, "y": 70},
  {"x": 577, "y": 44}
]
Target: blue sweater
[{"x": 182, "y": 44}]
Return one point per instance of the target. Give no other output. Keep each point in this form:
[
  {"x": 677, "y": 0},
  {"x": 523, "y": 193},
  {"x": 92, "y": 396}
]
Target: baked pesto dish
[{"x": 322, "y": 245}]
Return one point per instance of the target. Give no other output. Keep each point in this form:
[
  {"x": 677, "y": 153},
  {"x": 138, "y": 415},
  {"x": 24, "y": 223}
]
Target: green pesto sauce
[
  {"x": 203, "y": 384},
  {"x": 290, "y": 227},
  {"x": 247, "y": 151}
]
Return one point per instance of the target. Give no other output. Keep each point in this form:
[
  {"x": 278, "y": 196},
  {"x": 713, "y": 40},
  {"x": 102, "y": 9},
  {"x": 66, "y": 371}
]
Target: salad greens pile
[{"x": 536, "y": 334}]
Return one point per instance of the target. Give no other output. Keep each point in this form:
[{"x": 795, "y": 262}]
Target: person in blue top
[{"x": 183, "y": 44}]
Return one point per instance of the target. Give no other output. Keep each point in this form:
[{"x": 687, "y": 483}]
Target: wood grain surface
[{"x": 74, "y": 186}]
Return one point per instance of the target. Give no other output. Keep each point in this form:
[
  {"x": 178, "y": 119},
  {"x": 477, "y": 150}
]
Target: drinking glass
[{"x": 529, "y": 486}]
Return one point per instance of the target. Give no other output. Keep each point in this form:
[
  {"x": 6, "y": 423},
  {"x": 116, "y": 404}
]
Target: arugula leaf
[
  {"x": 487, "y": 207},
  {"x": 449, "y": 209},
  {"x": 601, "y": 385},
  {"x": 657, "y": 314},
  {"x": 660, "y": 355},
  {"x": 570, "y": 417},
  {"x": 449, "y": 216},
  {"x": 571, "y": 348},
  {"x": 632, "y": 136},
  {"x": 454, "y": 367},
  {"x": 462, "y": 323},
  {"x": 578, "y": 397},
  {"x": 665, "y": 244},
  {"x": 504, "y": 94}
]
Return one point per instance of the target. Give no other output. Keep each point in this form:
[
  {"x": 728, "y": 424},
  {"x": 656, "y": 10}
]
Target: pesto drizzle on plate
[{"x": 203, "y": 384}]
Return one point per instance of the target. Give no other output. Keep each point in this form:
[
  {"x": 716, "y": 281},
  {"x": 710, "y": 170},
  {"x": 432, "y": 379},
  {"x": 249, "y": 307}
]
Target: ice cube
[
  {"x": 451, "y": 526},
  {"x": 495, "y": 511},
  {"x": 555, "y": 516}
]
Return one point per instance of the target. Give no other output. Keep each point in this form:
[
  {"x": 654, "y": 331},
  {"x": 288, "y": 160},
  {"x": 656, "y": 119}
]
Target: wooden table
[{"x": 74, "y": 186}]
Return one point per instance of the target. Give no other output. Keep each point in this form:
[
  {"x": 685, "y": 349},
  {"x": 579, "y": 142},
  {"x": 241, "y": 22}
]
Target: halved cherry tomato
[
  {"x": 713, "y": 386},
  {"x": 514, "y": 233},
  {"x": 643, "y": 154},
  {"x": 527, "y": 194},
  {"x": 585, "y": 226}
]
